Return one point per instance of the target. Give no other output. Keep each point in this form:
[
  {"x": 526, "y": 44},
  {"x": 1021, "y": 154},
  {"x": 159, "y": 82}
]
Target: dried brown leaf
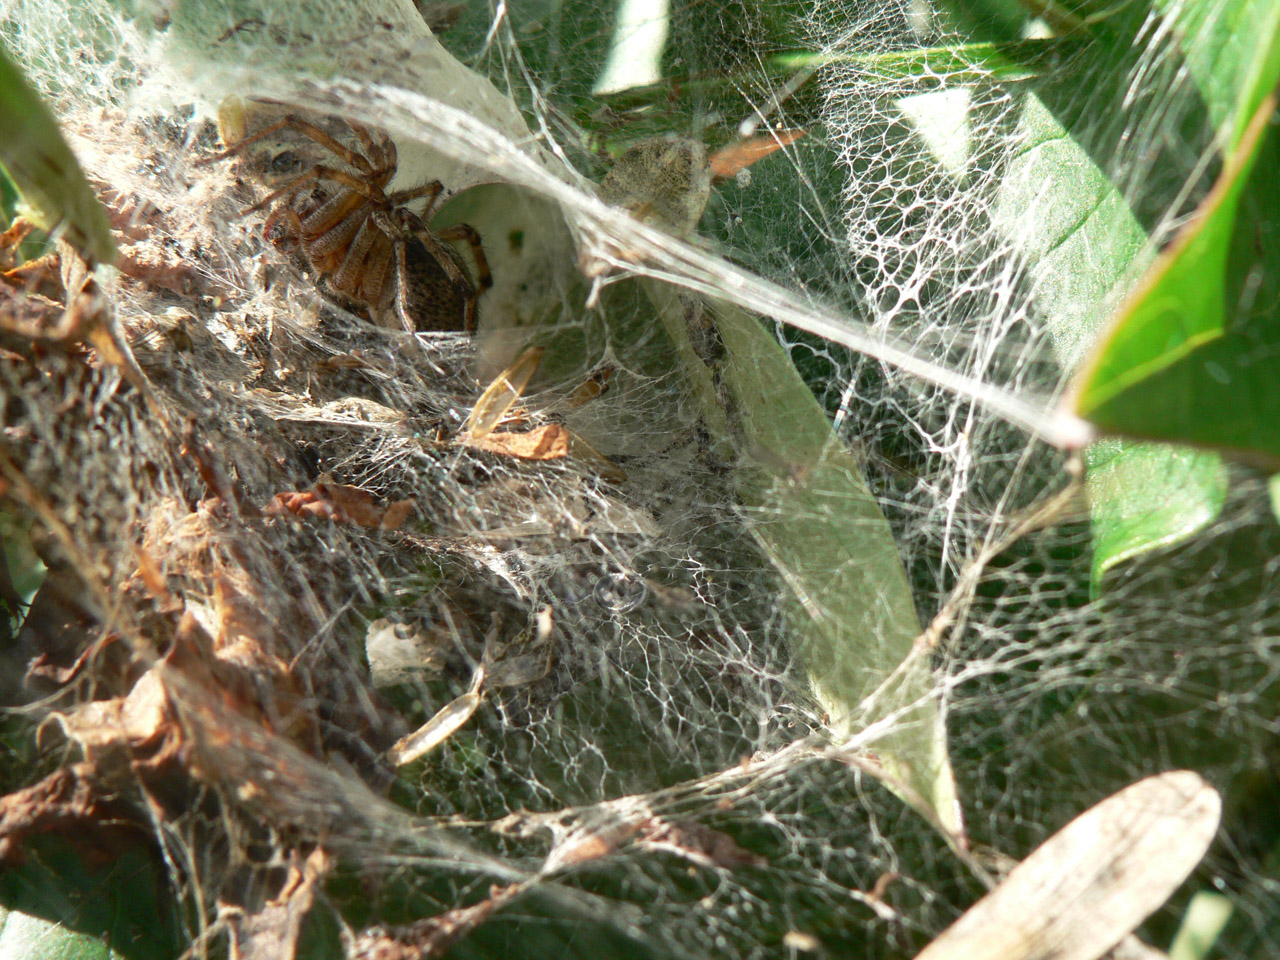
[
  {"x": 70, "y": 803},
  {"x": 1088, "y": 886},
  {"x": 42, "y": 277},
  {"x": 272, "y": 932},
  {"x": 135, "y": 722},
  {"x": 342, "y": 504},
  {"x": 589, "y": 843},
  {"x": 447, "y": 721},
  {"x": 399, "y": 652},
  {"x": 700, "y": 844},
  {"x": 431, "y": 937},
  {"x": 498, "y": 398},
  {"x": 548, "y": 442},
  {"x": 594, "y": 386}
]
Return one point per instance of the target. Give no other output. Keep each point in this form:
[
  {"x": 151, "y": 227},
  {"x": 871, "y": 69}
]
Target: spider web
[{"x": 705, "y": 726}]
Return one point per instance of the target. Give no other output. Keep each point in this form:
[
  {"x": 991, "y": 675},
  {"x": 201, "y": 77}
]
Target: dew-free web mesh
[{"x": 705, "y": 728}]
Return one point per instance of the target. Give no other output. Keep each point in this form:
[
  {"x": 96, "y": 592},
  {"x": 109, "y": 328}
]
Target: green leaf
[
  {"x": 70, "y": 909},
  {"x": 24, "y": 937},
  {"x": 1192, "y": 355},
  {"x": 1089, "y": 237},
  {"x": 848, "y": 599},
  {"x": 1146, "y": 496},
  {"x": 1207, "y": 914},
  {"x": 1064, "y": 214},
  {"x": 45, "y": 170}
]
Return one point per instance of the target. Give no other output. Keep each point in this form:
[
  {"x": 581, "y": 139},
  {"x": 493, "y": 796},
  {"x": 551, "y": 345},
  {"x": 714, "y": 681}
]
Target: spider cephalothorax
[{"x": 367, "y": 247}]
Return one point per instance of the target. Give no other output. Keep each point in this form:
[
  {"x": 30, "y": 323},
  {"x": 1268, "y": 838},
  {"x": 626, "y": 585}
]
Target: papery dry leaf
[
  {"x": 703, "y": 845},
  {"x": 240, "y": 612},
  {"x": 67, "y": 802},
  {"x": 548, "y": 442},
  {"x": 396, "y": 514},
  {"x": 243, "y": 678},
  {"x": 589, "y": 843},
  {"x": 521, "y": 662},
  {"x": 134, "y": 722},
  {"x": 451, "y": 718},
  {"x": 506, "y": 388},
  {"x": 584, "y": 451},
  {"x": 1089, "y": 885},
  {"x": 431, "y": 937},
  {"x": 400, "y": 652},
  {"x": 41, "y": 277},
  {"x": 342, "y": 504},
  {"x": 594, "y": 386},
  {"x": 521, "y": 670},
  {"x": 272, "y": 932},
  {"x": 18, "y": 230}
]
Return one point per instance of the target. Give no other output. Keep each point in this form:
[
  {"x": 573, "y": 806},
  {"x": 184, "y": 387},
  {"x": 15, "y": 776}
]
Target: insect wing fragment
[
  {"x": 738, "y": 156},
  {"x": 500, "y": 395},
  {"x": 448, "y": 721}
]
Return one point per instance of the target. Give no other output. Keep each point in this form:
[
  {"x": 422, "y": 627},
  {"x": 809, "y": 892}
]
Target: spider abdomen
[{"x": 433, "y": 300}]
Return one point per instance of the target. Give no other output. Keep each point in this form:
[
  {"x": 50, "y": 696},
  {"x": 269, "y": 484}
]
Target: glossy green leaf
[
  {"x": 45, "y": 170},
  {"x": 24, "y": 937},
  {"x": 1145, "y": 496},
  {"x": 1193, "y": 354},
  {"x": 1084, "y": 239},
  {"x": 60, "y": 904},
  {"x": 1088, "y": 237}
]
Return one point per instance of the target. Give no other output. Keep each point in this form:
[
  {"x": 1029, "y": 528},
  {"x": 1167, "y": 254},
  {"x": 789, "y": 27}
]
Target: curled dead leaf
[
  {"x": 700, "y": 844},
  {"x": 498, "y": 398},
  {"x": 342, "y": 504},
  {"x": 548, "y": 442},
  {"x": 451, "y": 718},
  {"x": 589, "y": 843},
  {"x": 272, "y": 932},
  {"x": 432, "y": 937},
  {"x": 71, "y": 803}
]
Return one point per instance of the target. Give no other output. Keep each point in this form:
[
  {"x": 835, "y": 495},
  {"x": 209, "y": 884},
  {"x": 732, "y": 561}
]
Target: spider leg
[
  {"x": 382, "y": 220},
  {"x": 430, "y": 190},
  {"x": 293, "y": 222},
  {"x": 334, "y": 225},
  {"x": 321, "y": 173},
  {"x": 309, "y": 130},
  {"x": 348, "y": 278},
  {"x": 464, "y": 231},
  {"x": 402, "y": 284},
  {"x": 373, "y": 288},
  {"x": 438, "y": 253},
  {"x": 381, "y": 151}
]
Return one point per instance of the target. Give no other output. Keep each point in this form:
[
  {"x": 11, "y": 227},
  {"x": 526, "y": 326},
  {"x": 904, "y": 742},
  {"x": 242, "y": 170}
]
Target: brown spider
[{"x": 351, "y": 237}]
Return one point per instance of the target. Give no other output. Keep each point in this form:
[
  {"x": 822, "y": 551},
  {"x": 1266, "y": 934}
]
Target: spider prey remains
[{"x": 353, "y": 237}]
